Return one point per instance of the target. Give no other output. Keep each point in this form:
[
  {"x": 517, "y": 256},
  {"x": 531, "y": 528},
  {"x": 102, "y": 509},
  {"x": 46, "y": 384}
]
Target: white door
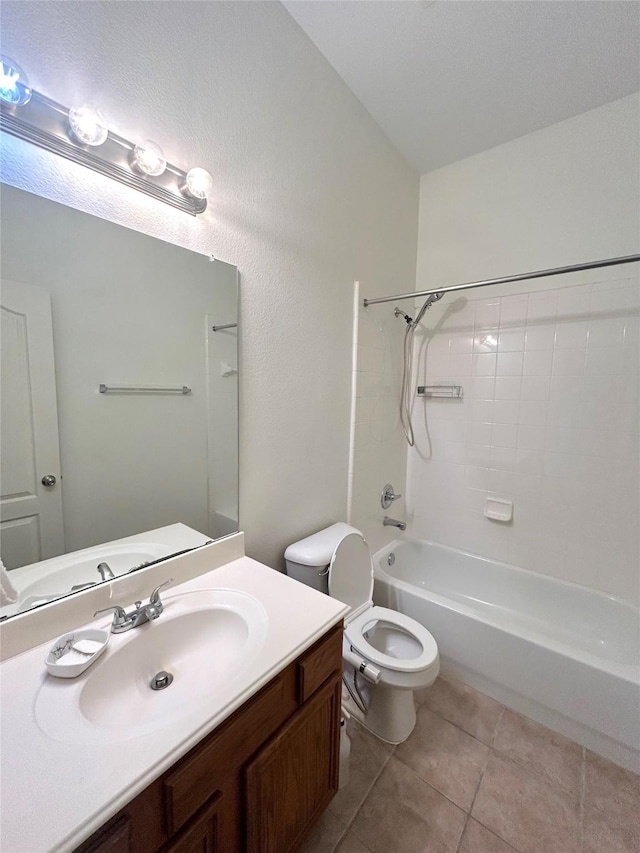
[{"x": 30, "y": 511}]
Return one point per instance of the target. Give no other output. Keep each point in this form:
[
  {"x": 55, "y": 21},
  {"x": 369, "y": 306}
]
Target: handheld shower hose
[{"x": 406, "y": 392}]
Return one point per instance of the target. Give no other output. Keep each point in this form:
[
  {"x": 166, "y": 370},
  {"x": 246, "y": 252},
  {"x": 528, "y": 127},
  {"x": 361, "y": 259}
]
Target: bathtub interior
[
  {"x": 518, "y": 600},
  {"x": 567, "y": 676}
]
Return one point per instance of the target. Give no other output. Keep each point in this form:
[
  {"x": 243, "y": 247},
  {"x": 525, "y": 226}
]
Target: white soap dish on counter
[{"x": 72, "y": 653}]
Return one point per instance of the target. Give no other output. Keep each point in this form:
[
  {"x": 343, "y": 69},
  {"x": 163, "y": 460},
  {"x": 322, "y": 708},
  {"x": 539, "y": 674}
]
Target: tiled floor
[{"x": 475, "y": 777}]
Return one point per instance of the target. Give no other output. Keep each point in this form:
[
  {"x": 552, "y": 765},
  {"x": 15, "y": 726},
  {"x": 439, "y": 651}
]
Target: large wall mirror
[{"x": 119, "y": 396}]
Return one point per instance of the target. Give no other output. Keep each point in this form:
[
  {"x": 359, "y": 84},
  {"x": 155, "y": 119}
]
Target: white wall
[
  {"x": 308, "y": 197},
  {"x": 550, "y": 372}
]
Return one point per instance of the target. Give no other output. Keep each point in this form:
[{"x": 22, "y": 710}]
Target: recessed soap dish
[
  {"x": 72, "y": 653},
  {"x": 498, "y": 509}
]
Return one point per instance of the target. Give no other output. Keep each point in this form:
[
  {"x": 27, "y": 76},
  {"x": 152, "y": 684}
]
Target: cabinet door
[
  {"x": 202, "y": 834},
  {"x": 293, "y": 778}
]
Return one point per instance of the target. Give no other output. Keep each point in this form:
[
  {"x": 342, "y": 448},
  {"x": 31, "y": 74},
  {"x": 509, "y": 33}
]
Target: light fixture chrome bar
[
  {"x": 45, "y": 123},
  {"x": 224, "y": 326},
  {"x": 143, "y": 389},
  {"x": 590, "y": 265}
]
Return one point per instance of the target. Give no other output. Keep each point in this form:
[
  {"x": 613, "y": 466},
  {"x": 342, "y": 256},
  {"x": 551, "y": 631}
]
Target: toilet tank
[{"x": 308, "y": 560}]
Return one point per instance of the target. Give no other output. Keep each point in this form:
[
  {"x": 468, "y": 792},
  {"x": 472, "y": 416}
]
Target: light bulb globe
[
  {"x": 148, "y": 158},
  {"x": 88, "y": 125},
  {"x": 14, "y": 85},
  {"x": 198, "y": 183}
]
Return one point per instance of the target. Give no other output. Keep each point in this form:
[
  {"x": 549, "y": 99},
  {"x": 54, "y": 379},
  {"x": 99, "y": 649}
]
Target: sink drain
[{"x": 161, "y": 680}]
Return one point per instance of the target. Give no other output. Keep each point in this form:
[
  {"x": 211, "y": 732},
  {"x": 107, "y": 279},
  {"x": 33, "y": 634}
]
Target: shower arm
[{"x": 590, "y": 265}]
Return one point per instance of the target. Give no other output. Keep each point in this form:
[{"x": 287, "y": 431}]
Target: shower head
[
  {"x": 398, "y": 313},
  {"x": 427, "y": 304}
]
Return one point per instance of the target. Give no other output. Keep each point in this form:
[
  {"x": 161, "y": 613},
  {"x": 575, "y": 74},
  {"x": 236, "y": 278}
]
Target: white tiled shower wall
[{"x": 549, "y": 420}]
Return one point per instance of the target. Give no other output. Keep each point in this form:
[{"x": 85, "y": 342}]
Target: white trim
[{"x": 354, "y": 399}]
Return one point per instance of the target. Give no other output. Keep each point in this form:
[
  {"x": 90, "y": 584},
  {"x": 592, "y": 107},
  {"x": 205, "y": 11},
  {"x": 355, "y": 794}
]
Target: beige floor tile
[
  {"x": 445, "y": 757},
  {"x": 603, "y": 833},
  {"x": 478, "y": 839},
  {"x": 612, "y": 790},
  {"x": 368, "y": 756},
  {"x": 537, "y": 748},
  {"x": 403, "y": 814},
  {"x": 352, "y": 844},
  {"x": 325, "y": 835},
  {"x": 472, "y": 711},
  {"x": 527, "y": 812}
]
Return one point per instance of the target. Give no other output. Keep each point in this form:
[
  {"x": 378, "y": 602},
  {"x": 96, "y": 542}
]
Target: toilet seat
[
  {"x": 351, "y": 581},
  {"x": 351, "y": 573},
  {"x": 356, "y": 628}
]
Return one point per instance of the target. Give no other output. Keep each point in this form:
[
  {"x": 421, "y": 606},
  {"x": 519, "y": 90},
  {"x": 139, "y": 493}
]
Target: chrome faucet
[
  {"x": 392, "y": 522},
  {"x": 123, "y": 621},
  {"x": 105, "y": 572}
]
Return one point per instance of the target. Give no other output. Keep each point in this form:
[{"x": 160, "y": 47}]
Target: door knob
[{"x": 48, "y": 480}]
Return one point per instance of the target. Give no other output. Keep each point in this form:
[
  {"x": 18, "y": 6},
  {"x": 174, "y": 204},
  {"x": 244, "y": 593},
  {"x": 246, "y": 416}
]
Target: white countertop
[{"x": 55, "y": 794}]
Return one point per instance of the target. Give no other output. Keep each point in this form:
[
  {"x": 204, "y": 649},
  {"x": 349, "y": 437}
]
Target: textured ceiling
[{"x": 449, "y": 78}]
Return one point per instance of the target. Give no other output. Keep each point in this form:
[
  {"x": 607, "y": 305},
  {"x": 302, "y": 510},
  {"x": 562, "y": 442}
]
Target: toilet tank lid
[{"x": 318, "y": 549}]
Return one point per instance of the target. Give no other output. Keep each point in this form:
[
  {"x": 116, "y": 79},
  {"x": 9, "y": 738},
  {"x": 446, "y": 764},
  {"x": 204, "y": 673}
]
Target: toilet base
[{"x": 391, "y": 714}]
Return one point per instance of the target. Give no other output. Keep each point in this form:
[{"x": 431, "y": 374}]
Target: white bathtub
[{"x": 560, "y": 653}]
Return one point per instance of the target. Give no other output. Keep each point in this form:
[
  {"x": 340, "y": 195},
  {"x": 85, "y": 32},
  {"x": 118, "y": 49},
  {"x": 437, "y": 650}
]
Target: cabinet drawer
[
  {"x": 114, "y": 837},
  {"x": 321, "y": 661},
  {"x": 202, "y": 775},
  {"x": 202, "y": 835}
]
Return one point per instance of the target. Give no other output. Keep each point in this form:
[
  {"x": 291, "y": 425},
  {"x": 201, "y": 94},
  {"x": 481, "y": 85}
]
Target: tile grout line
[
  {"x": 481, "y": 777},
  {"x": 492, "y": 751},
  {"x": 367, "y": 792},
  {"x": 364, "y": 799},
  {"x": 464, "y": 829},
  {"x": 533, "y": 771},
  {"x": 508, "y": 757},
  {"x": 457, "y": 726}
]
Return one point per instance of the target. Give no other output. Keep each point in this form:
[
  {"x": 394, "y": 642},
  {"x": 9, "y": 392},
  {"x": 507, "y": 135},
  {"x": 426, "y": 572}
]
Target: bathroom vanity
[
  {"x": 239, "y": 753},
  {"x": 257, "y": 782}
]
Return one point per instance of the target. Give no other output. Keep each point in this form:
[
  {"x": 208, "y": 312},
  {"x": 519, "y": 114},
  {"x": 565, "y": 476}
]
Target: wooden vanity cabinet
[{"x": 254, "y": 785}]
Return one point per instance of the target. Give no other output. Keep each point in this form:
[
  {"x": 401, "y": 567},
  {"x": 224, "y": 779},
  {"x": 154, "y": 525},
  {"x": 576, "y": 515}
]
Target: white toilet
[{"x": 388, "y": 654}]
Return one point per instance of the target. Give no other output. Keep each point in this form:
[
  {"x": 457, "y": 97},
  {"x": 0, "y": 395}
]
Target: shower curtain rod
[{"x": 591, "y": 265}]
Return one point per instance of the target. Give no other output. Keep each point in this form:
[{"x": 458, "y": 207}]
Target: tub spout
[{"x": 392, "y": 522}]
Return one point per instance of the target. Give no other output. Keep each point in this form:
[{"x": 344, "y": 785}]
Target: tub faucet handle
[{"x": 388, "y": 496}]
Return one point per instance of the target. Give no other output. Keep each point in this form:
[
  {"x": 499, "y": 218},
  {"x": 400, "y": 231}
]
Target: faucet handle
[
  {"x": 119, "y": 615},
  {"x": 154, "y": 598},
  {"x": 119, "y": 611},
  {"x": 388, "y": 496}
]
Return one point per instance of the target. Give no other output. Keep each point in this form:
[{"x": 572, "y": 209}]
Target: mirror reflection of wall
[{"x": 89, "y": 302}]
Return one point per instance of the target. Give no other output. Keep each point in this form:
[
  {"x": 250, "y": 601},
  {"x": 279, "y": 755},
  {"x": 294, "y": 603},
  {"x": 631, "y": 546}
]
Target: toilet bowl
[{"x": 387, "y": 655}]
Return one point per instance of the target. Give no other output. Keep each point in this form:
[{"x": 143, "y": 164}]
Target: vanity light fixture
[
  {"x": 14, "y": 86},
  {"x": 198, "y": 183},
  {"x": 88, "y": 125},
  {"x": 148, "y": 158},
  {"x": 81, "y": 134}
]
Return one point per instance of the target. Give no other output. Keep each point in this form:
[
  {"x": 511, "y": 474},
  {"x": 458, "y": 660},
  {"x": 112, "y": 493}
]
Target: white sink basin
[{"x": 204, "y": 639}]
